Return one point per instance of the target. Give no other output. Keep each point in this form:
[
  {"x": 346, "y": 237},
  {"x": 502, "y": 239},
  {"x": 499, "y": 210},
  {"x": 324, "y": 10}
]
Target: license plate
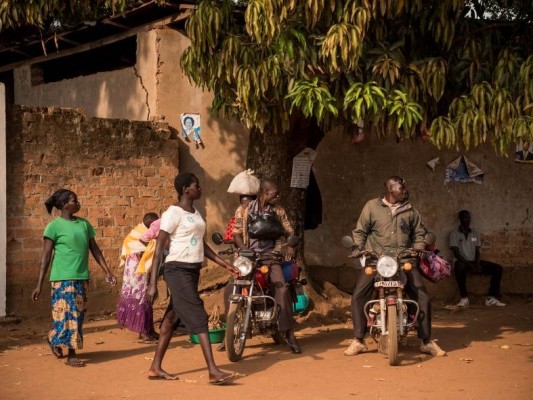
[{"x": 388, "y": 284}]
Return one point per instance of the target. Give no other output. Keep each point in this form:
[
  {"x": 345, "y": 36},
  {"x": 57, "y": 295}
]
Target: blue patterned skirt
[{"x": 69, "y": 303}]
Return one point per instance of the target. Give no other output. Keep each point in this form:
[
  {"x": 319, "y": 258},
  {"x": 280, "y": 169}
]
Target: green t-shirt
[{"x": 71, "y": 248}]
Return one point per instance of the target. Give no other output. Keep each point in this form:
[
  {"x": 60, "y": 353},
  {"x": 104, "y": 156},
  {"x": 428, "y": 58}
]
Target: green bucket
[{"x": 215, "y": 336}]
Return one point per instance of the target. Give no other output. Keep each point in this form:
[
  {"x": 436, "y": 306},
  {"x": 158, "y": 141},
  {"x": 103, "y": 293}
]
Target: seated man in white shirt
[{"x": 465, "y": 244}]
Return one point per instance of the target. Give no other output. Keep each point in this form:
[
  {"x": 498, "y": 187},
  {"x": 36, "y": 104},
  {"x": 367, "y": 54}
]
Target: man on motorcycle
[
  {"x": 266, "y": 204},
  {"x": 391, "y": 224}
]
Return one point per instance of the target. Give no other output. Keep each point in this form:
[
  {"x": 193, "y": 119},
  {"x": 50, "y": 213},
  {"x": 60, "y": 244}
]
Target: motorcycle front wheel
[
  {"x": 235, "y": 332},
  {"x": 392, "y": 337}
]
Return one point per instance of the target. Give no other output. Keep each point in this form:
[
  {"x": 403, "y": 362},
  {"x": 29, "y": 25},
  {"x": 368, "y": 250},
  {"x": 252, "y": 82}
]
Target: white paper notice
[{"x": 301, "y": 168}]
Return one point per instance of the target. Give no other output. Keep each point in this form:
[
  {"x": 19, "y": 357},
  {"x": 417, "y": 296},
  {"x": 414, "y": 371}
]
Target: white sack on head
[{"x": 245, "y": 183}]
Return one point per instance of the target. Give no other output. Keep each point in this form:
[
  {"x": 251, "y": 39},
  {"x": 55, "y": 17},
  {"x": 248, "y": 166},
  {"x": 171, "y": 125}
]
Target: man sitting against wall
[{"x": 465, "y": 244}]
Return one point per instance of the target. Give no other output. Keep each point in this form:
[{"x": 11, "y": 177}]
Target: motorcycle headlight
[
  {"x": 387, "y": 266},
  {"x": 243, "y": 264}
]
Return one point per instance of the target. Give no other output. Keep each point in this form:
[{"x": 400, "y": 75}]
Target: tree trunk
[{"x": 270, "y": 155}]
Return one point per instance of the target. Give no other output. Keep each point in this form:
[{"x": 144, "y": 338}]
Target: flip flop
[
  {"x": 163, "y": 377},
  {"x": 56, "y": 350},
  {"x": 75, "y": 362},
  {"x": 148, "y": 341},
  {"x": 225, "y": 380}
]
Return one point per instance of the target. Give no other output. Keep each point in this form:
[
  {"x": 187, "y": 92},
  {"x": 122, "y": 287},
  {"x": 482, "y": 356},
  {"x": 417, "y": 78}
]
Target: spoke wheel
[{"x": 235, "y": 332}]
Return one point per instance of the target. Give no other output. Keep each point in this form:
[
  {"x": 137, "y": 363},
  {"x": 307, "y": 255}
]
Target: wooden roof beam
[{"x": 104, "y": 41}]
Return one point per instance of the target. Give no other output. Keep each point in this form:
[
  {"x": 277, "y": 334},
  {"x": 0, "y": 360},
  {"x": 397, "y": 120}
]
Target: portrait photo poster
[
  {"x": 524, "y": 152},
  {"x": 190, "y": 125}
]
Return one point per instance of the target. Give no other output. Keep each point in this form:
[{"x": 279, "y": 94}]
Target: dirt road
[{"x": 490, "y": 356}]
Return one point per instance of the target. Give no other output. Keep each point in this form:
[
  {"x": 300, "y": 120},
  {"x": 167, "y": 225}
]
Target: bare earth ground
[{"x": 490, "y": 356}]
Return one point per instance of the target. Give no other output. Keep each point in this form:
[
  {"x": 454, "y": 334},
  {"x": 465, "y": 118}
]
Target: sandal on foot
[
  {"x": 56, "y": 350},
  {"x": 148, "y": 341},
  {"x": 224, "y": 380},
  {"x": 163, "y": 377},
  {"x": 75, "y": 362}
]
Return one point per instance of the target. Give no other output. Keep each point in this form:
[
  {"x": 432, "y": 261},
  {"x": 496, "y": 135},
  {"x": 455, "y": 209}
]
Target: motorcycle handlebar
[
  {"x": 227, "y": 252},
  {"x": 404, "y": 253},
  {"x": 247, "y": 253}
]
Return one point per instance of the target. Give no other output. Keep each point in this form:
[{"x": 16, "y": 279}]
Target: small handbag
[
  {"x": 435, "y": 268},
  {"x": 264, "y": 226}
]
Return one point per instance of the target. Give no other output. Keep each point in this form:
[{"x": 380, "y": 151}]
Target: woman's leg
[
  {"x": 166, "y": 331},
  {"x": 189, "y": 308},
  {"x": 215, "y": 374},
  {"x": 73, "y": 360},
  {"x": 69, "y": 303}
]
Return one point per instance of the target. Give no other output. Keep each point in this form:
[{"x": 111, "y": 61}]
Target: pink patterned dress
[{"x": 133, "y": 311}]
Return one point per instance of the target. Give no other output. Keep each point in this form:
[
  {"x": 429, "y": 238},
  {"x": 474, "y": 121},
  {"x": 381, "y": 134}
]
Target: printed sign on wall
[{"x": 190, "y": 124}]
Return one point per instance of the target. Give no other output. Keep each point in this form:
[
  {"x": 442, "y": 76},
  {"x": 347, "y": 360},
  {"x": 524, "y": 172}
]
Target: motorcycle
[
  {"x": 253, "y": 310},
  {"x": 391, "y": 316}
]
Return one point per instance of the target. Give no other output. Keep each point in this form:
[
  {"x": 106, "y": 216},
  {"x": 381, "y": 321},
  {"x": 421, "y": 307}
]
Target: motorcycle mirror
[
  {"x": 347, "y": 242},
  {"x": 217, "y": 238},
  {"x": 293, "y": 241}
]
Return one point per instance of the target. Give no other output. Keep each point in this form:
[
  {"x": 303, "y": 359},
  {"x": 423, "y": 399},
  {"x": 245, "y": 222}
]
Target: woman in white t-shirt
[{"x": 183, "y": 227}]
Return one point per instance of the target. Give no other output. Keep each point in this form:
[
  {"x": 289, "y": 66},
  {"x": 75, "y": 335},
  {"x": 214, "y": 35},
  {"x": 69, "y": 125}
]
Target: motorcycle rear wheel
[
  {"x": 235, "y": 332},
  {"x": 392, "y": 337}
]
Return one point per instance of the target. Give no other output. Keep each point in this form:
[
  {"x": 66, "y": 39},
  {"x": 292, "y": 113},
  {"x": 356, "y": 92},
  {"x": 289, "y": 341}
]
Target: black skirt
[{"x": 182, "y": 280}]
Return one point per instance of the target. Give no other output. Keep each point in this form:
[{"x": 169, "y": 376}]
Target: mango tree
[{"x": 456, "y": 72}]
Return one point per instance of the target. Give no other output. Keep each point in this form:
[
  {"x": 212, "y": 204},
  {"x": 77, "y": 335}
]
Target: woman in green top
[{"x": 67, "y": 241}]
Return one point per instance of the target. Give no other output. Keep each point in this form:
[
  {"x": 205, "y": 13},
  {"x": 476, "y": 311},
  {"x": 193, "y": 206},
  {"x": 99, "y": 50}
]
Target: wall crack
[{"x": 145, "y": 89}]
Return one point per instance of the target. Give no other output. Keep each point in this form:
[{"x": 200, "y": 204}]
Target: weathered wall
[
  {"x": 119, "y": 169},
  {"x": 349, "y": 175},
  {"x": 224, "y": 154},
  {"x": 127, "y": 93},
  {"x": 157, "y": 88}
]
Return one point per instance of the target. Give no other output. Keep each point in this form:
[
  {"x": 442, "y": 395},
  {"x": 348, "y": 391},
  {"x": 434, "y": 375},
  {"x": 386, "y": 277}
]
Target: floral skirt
[
  {"x": 134, "y": 312},
  {"x": 69, "y": 303}
]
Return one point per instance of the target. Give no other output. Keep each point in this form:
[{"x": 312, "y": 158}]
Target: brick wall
[
  {"x": 119, "y": 169},
  {"x": 508, "y": 247}
]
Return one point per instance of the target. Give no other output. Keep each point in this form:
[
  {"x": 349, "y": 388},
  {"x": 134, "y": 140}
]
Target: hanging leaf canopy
[{"x": 460, "y": 71}]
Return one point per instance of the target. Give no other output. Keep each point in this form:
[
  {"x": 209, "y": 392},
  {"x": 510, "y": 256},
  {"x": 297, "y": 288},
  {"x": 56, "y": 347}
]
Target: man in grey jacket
[{"x": 389, "y": 225}]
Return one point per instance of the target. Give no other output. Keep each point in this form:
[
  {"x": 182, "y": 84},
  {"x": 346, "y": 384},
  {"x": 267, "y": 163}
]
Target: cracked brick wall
[{"x": 120, "y": 170}]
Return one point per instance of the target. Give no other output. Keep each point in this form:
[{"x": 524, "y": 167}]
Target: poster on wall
[
  {"x": 464, "y": 171},
  {"x": 524, "y": 152},
  {"x": 190, "y": 125},
  {"x": 301, "y": 168}
]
